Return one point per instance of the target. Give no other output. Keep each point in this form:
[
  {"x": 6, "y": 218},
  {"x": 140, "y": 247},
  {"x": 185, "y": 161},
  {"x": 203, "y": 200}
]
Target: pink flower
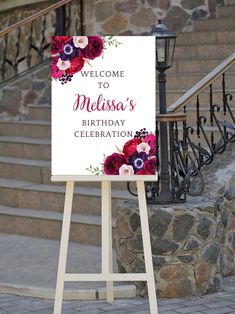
[
  {"x": 143, "y": 147},
  {"x": 126, "y": 170},
  {"x": 112, "y": 163},
  {"x": 80, "y": 41},
  {"x": 151, "y": 140},
  {"x": 63, "y": 65}
]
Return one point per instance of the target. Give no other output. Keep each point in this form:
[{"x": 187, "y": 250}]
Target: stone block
[
  {"x": 211, "y": 252},
  {"x": 176, "y": 18},
  {"x": 115, "y": 24},
  {"x": 144, "y": 17},
  {"x": 123, "y": 227},
  {"x": 161, "y": 4},
  {"x": 159, "y": 223},
  {"x": 103, "y": 10},
  {"x": 158, "y": 262},
  {"x": 164, "y": 246},
  {"x": 126, "y": 255},
  {"x": 129, "y": 6},
  {"x": 192, "y": 4},
  {"x": 204, "y": 228},
  {"x": 199, "y": 14},
  {"x": 202, "y": 272},
  {"x": 134, "y": 221},
  {"x": 173, "y": 272},
  {"x": 182, "y": 225}
]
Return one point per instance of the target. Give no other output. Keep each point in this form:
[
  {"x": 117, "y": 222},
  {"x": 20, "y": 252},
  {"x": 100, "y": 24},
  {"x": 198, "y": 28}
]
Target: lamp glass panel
[
  {"x": 170, "y": 51},
  {"x": 160, "y": 49}
]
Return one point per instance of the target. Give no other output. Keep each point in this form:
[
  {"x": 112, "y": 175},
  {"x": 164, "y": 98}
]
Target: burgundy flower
[
  {"x": 57, "y": 43},
  {"x": 149, "y": 167},
  {"x": 94, "y": 47},
  {"x": 112, "y": 163},
  {"x": 130, "y": 146},
  {"x": 76, "y": 65}
]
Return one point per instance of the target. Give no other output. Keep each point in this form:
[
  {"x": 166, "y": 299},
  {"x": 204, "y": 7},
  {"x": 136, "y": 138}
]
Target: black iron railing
[
  {"x": 32, "y": 37},
  {"x": 206, "y": 133},
  {"x": 202, "y": 130}
]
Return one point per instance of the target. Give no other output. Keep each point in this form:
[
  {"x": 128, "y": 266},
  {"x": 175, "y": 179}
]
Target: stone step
[
  {"x": 47, "y": 224},
  {"x": 24, "y": 147},
  {"x": 39, "y": 129},
  {"x": 205, "y": 38},
  {"x": 173, "y": 95},
  {"x": 194, "y": 66},
  {"x": 225, "y": 11},
  {"x": 204, "y": 52},
  {"x": 39, "y": 171},
  {"x": 33, "y": 196},
  {"x": 37, "y": 112},
  {"x": 186, "y": 81},
  {"x": 219, "y": 24}
]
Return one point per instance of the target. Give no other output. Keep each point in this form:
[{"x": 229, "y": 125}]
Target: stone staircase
[
  {"x": 30, "y": 204},
  {"x": 196, "y": 54}
]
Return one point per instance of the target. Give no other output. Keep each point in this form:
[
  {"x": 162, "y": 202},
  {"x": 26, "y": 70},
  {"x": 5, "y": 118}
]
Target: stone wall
[
  {"x": 32, "y": 87},
  {"x": 127, "y": 17},
  {"x": 193, "y": 244}
]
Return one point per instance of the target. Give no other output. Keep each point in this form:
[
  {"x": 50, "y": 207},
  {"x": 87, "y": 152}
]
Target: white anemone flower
[
  {"x": 126, "y": 170},
  {"x": 143, "y": 147},
  {"x": 63, "y": 65},
  {"x": 80, "y": 41}
]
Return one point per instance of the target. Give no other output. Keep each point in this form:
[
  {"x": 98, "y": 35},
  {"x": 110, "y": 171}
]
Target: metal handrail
[
  {"x": 33, "y": 17},
  {"x": 202, "y": 84}
]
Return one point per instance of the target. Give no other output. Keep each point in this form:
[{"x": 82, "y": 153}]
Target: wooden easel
[{"x": 107, "y": 274}]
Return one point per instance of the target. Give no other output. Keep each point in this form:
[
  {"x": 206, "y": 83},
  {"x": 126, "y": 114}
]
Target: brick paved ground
[{"x": 220, "y": 303}]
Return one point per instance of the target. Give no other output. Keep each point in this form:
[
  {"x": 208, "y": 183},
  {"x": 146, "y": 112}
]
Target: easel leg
[
  {"x": 107, "y": 250},
  {"x": 147, "y": 248},
  {"x": 64, "y": 247}
]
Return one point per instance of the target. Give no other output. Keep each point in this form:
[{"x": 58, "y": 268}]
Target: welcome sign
[{"x": 103, "y": 106}]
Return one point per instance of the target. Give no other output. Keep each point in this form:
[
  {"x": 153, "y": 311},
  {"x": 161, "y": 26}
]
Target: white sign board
[{"x": 103, "y": 106}]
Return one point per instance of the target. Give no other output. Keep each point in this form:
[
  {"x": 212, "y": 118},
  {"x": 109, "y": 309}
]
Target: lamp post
[{"x": 165, "y": 45}]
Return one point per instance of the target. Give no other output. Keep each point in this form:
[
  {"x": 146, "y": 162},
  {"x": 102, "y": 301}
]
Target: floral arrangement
[
  {"x": 69, "y": 54},
  {"x": 138, "y": 157}
]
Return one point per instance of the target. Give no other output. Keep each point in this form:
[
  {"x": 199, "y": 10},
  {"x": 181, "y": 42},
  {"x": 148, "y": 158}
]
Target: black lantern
[{"x": 165, "y": 45}]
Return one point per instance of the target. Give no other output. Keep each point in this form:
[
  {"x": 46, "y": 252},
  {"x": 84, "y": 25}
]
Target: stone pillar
[{"x": 189, "y": 244}]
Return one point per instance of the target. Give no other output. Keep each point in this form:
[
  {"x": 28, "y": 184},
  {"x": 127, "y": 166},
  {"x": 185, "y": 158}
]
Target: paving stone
[
  {"x": 219, "y": 304},
  {"x": 222, "y": 310},
  {"x": 191, "y": 309}
]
